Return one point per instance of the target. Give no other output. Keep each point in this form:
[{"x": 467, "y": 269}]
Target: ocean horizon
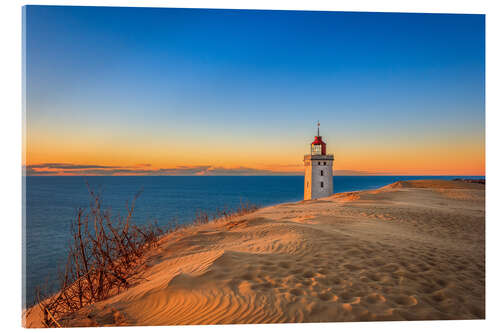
[{"x": 50, "y": 204}]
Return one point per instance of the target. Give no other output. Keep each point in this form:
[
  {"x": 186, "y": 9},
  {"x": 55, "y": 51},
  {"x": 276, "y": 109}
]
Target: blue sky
[{"x": 156, "y": 86}]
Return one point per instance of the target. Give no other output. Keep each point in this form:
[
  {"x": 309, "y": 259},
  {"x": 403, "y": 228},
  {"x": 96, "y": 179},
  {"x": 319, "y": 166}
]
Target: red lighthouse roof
[
  {"x": 318, "y": 141},
  {"x": 316, "y": 144}
]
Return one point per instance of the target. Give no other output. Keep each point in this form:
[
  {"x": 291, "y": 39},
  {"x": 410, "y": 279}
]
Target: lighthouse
[{"x": 318, "y": 178}]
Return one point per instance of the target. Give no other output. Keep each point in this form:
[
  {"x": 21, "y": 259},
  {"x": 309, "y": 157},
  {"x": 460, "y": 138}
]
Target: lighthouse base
[{"x": 318, "y": 177}]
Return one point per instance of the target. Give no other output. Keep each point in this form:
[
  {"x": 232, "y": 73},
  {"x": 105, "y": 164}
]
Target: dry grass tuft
[
  {"x": 103, "y": 258},
  {"x": 105, "y": 255}
]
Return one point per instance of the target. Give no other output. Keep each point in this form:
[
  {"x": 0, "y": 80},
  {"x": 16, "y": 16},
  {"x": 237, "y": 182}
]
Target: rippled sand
[{"x": 409, "y": 251}]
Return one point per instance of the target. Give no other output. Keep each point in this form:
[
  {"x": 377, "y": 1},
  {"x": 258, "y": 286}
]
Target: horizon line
[
  {"x": 262, "y": 175},
  {"x": 146, "y": 169}
]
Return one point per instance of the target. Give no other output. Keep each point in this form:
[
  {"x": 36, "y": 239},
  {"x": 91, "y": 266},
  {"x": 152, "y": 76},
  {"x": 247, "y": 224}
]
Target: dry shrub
[
  {"x": 104, "y": 254},
  {"x": 225, "y": 214}
]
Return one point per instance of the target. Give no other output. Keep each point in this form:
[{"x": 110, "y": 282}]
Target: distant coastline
[{"x": 471, "y": 180}]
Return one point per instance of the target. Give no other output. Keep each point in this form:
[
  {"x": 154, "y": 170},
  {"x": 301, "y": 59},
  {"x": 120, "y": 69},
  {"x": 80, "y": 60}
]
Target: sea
[{"x": 50, "y": 205}]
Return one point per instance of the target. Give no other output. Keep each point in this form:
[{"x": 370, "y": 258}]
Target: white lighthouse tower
[{"x": 318, "y": 178}]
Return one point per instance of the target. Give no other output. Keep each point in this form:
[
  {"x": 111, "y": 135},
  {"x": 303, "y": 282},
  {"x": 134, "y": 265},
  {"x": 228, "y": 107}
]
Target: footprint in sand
[
  {"x": 306, "y": 282},
  {"x": 375, "y": 298},
  {"x": 284, "y": 264},
  {"x": 428, "y": 288},
  {"x": 390, "y": 268},
  {"x": 442, "y": 282},
  {"x": 347, "y": 307},
  {"x": 265, "y": 285},
  {"x": 373, "y": 277},
  {"x": 406, "y": 300},
  {"x": 308, "y": 274},
  {"x": 268, "y": 268},
  {"x": 323, "y": 271},
  {"x": 347, "y": 297},
  {"x": 247, "y": 276},
  {"x": 353, "y": 253},
  {"x": 351, "y": 267},
  {"x": 326, "y": 296},
  {"x": 335, "y": 280},
  {"x": 438, "y": 296}
]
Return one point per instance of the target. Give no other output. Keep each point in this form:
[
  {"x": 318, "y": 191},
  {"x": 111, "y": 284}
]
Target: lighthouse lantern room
[{"x": 318, "y": 177}]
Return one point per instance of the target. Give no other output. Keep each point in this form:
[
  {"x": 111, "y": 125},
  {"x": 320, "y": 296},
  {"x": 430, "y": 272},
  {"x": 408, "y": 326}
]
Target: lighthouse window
[
  {"x": 324, "y": 163},
  {"x": 321, "y": 184},
  {"x": 316, "y": 149},
  {"x": 319, "y": 163},
  {"x": 322, "y": 172}
]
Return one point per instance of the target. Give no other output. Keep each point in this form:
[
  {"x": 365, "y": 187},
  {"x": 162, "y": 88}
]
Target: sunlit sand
[{"x": 409, "y": 251}]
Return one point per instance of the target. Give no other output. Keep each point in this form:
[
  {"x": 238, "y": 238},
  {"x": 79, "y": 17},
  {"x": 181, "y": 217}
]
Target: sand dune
[{"x": 408, "y": 251}]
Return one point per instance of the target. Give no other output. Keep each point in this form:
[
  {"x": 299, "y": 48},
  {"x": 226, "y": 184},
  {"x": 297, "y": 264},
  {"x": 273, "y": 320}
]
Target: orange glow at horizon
[
  {"x": 419, "y": 160},
  {"x": 436, "y": 154}
]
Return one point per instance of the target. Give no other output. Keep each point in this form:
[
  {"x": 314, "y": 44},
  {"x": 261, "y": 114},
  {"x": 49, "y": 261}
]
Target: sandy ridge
[{"x": 408, "y": 251}]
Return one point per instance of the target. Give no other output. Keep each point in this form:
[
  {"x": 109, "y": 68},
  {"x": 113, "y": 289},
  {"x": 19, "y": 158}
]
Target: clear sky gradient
[{"x": 183, "y": 91}]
